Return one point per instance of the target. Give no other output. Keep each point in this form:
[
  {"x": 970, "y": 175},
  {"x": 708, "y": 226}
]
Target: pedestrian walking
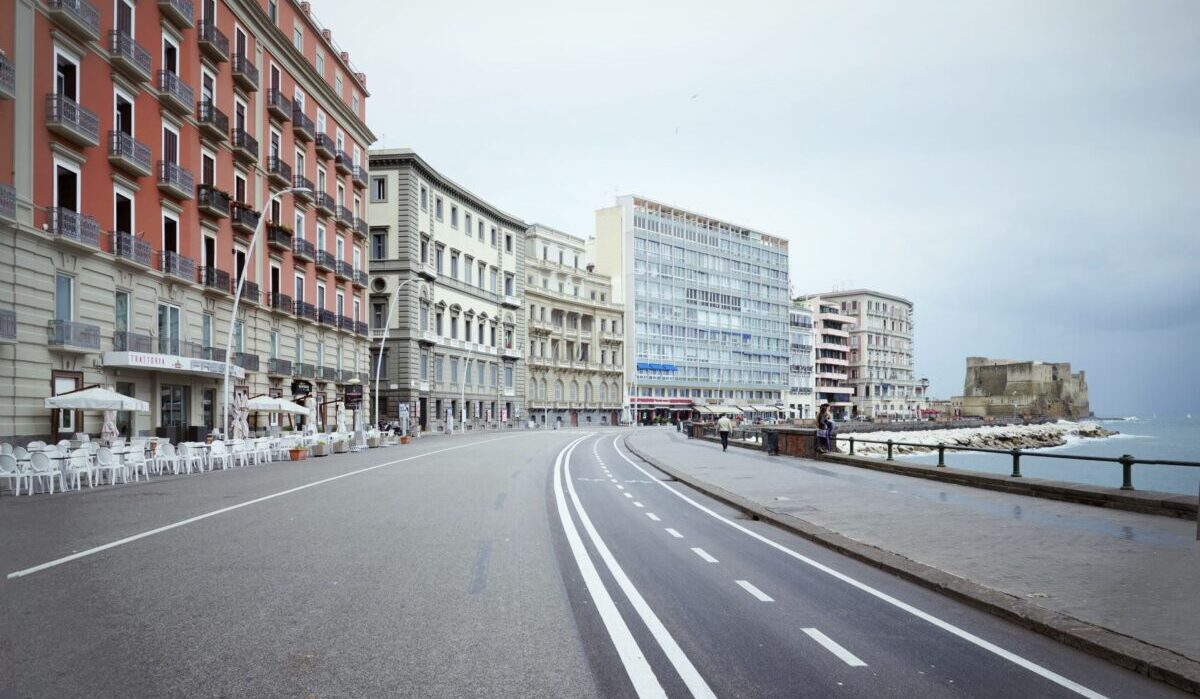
[
  {"x": 824, "y": 429},
  {"x": 724, "y": 427}
]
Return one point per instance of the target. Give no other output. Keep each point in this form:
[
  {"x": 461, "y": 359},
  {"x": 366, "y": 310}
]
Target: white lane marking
[
  {"x": 679, "y": 660},
  {"x": 703, "y": 554},
  {"x": 620, "y": 487},
  {"x": 759, "y": 594},
  {"x": 628, "y": 495},
  {"x": 653, "y": 517},
  {"x": 645, "y": 683},
  {"x": 637, "y": 504},
  {"x": 674, "y": 533},
  {"x": 925, "y": 616},
  {"x": 223, "y": 510},
  {"x": 833, "y": 647}
]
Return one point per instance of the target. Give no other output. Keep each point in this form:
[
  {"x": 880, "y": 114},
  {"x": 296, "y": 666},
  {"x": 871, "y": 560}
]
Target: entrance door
[
  {"x": 65, "y": 422},
  {"x": 173, "y": 407},
  {"x": 423, "y": 409},
  {"x": 574, "y": 418}
]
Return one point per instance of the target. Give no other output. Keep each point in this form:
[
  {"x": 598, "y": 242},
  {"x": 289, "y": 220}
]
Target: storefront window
[{"x": 173, "y": 402}]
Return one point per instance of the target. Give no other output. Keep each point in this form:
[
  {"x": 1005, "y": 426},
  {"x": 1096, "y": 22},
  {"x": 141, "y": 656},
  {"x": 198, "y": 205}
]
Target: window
[
  {"x": 379, "y": 245},
  {"x": 354, "y": 103},
  {"x": 64, "y": 297},
  {"x": 439, "y": 253},
  {"x": 437, "y": 208},
  {"x": 320, "y": 62},
  {"x": 508, "y": 242},
  {"x": 378, "y": 311},
  {"x": 493, "y": 236},
  {"x": 437, "y": 368},
  {"x": 337, "y": 83},
  {"x": 274, "y": 344},
  {"x": 378, "y": 189},
  {"x": 121, "y": 312},
  {"x": 424, "y": 198},
  {"x": 467, "y": 223},
  {"x": 170, "y": 54},
  {"x": 453, "y": 265},
  {"x": 298, "y": 289},
  {"x": 508, "y": 377},
  {"x": 481, "y": 231},
  {"x": 453, "y": 216},
  {"x": 298, "y": 39}
]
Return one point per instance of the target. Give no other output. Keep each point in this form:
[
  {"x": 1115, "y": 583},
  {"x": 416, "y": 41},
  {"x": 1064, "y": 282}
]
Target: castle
[{"x": 1008, "y": 388}]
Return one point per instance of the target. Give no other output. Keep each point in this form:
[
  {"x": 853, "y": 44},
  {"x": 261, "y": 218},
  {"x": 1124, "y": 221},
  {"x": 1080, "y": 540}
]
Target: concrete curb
[{"x": 1149, "y": 660}]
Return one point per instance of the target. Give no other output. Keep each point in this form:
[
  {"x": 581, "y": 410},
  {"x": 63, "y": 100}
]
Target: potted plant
[
  {"x": 297, "y": 453},
  {"x": 373, "y": 439},
  {"x": 341, "y": 446},
  {"x": 320, "y": 447}
]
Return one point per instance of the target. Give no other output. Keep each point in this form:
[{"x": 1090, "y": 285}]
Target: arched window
[
  {"x": 603, "y": 393},
  {"x": 542, "y": 389},
  {"x": 558, "y": 390},
  {"x": 574, "y": 390},
  {"x": 587, "y": 391}
]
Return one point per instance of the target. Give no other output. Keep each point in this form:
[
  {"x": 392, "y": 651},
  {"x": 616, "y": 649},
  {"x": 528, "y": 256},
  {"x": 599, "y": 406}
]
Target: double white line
[{"x": 645, "y": 682}]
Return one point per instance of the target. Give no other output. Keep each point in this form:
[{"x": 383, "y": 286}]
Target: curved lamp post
[
  {"x": 462, "y": 400},
  {"x": 387, "y": 325},
  {"x": 237, "y": 296}
]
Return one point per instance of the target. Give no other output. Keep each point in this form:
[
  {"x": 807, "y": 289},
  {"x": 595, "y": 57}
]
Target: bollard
[
  {"x": 1126, "y": 472},
  {"x": 1016, "y": 454},
  {"x": 941, "y": 455},
  {"x": 890, "y": 451},
  {"x": 851, "y": 445}
]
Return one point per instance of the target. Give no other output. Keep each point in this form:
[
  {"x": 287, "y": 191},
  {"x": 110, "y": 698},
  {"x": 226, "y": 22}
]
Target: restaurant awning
[
  {"x": 702, "y": 409},
  {"x": 765, "y": 408}
]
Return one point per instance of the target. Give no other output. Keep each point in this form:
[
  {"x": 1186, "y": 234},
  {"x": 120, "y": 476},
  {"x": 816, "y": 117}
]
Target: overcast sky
[{"x": 1028, "y": 174}]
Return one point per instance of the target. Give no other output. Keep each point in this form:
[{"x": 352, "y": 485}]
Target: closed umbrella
[
  {"x": 240, "y": 428},
  {"x": 341, "y": 418},
  {"x": 110, "y": 432}
]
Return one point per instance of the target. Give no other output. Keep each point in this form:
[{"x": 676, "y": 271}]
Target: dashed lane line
[
  {"x": 703, "y": 554},
  {"x": 758, "y": 594},
  {"x": 833, "y": 647}
]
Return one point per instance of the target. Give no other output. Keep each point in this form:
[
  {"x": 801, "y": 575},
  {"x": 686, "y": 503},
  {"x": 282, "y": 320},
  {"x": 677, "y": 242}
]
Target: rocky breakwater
[{"x": 1054, "y": 434}]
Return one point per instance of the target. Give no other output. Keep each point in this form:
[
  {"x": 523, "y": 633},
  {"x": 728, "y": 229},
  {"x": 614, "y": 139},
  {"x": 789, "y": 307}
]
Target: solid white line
[
  {"x": 674, "y": 533},
  {"x": 653, "y": 517},
  {"x": 637, "y": 504},
  {"x": 703, "y": 554},
  {"x": 645, "y": 683},
  {"x": 762, "y": 596},
  {"x": 223, "y": 510},
  {"x": 925, "y": 616},
  {"x": 679, "y": 660},
  {"x": 833, "y": 647}
]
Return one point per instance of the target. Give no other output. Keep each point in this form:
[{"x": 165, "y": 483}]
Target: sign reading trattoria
[{"x": 170, "y": 363}]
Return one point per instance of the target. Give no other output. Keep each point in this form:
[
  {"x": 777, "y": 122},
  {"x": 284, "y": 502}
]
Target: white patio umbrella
[
  {"x": 268, "y": 404},
  {"x": 96, "y": 398}
]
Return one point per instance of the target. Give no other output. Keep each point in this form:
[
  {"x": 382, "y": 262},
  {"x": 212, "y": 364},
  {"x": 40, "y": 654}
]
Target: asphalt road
[{"x": 486, "y": 565}]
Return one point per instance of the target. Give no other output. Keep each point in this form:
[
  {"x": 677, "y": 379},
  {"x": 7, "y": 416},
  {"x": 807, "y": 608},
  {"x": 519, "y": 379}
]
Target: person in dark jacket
[{"x": 824, "y": 429}]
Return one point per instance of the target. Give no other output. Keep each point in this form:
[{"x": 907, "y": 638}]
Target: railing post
[
  {"x": 1016, "y": 454},
  {"x": 889, "y": 443},
  {"x": 1126, "y": 472},
  {"x": 851, "y": 445},
  {"x": 941, "y": 455}
]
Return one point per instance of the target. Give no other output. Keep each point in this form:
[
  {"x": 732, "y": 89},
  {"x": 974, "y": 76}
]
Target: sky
[{"x": 1027, "y": 173}]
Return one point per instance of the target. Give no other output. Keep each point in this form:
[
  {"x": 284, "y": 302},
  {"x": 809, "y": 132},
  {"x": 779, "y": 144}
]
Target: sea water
[{"x": 1173, "y": 439}]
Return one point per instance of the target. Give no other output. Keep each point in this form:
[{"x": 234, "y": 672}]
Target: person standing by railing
[
  {"x": 824, "y": 429},
  {"x": 724, "y": 427}
]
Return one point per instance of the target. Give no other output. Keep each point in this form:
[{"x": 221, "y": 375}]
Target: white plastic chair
[
  {"x": 9, "y": 472},
  {"x": 5, "y": 449},
  {"x": 20, "y": 454},
  {"x": 190, "y": 458},
  {"x": 107, "y": 463},
  {"x": 80, "y": 464},
  {"x": 217, "y": 454},
  {"x": 35, "y": 446},
  {"x": 242, "y": 454},
  {"x": 41, "y": 469},
  {"x": 262, "y": 450},
  {"x": 167, "y": 458}
]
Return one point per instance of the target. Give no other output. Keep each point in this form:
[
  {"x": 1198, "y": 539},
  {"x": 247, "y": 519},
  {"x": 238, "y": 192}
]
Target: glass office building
[{"x": 706, "y": 310}]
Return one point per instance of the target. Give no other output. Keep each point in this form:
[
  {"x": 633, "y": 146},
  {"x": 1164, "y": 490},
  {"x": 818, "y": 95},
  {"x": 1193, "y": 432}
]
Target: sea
[{"x": 1143, "y": 437}]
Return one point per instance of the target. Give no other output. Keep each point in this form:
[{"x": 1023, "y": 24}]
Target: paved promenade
[{"x": 1127, "y": 572}]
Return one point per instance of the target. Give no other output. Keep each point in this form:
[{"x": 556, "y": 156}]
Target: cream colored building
[
  {"x": 576, "y": 334},
  {"x": 456, "y": 331},
  {"x": 831, "y": 356}
]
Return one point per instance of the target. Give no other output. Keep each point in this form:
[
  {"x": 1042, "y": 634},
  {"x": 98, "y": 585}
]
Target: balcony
[
  {"x": 306, "y": 310},
  {"x": 8, "y": 326},
  {"x": 325, "y": 146},
  {"x": 325, "y": 204},
  {"x": 304, "y": 371},
  {"x": 179, "y": 12},
  {"x": 212, "y": 42},
  {"x": 279, "y": 367},
  {"x": 70, "y": 336},
  {"x": 326, "y": 261},
  {"x": 425, "y": 269},
  {"x": 343, "y": 163},
  {"x": 303, "y": 128},
  {"x": 510, "y": 353},
  {"x": 428, "y": 337},
  {"x": 128, "y": 154},
  {"x": 128, "y": 56},
  {"x": 212, "y": 201},
  {"x": 280, "y": 107},
  {"x": 328, "y": 373},
  {"x": 302, "y": 250},
  {"x": 243, "y": 218},
  {"x": 176, "y": 265},
  {"x": 213, "y": 354},
  {"x": 73, "y": 228},
  {"x": 345, "y": 218},
  {"x": 359, "y": 175},
  {"x": 360, "y": 328},
  {"x": 510, "y": 301},
  {"x": 360, "y": 279},
  {"x": 245, "y": 147},
  {"x": 327, "y": 317},
  {"x": 129, "y": 341},
  {"x": 212, "y": 121},
  {"x": 213, "y": 279},
  {"x": 174, "y": 93},
  {"x": 245, "y": 75},
  {"x": 129, "y": 248},
  {"x": 175, "y": 181},
  {"x": 8, "y": 79},
  {"x": 344, "y": 271},
  {"x": 78, "y": 17},
  {"x": 8, "y": 202},
  {"x": 345, "y": 375},
  {"x": 250, "y": 292},
  {"x": 302, "y": 188},
  {"x": 279, "y": 172},
  {"x": 68, "y": 119},
  {"x": 345, "y": 323},
  {"x": 281, "y": 303},
  {"x": 245, "y": 360},
  {"x": 279, "y": 237},
  {"x": 361, "y": 229}
]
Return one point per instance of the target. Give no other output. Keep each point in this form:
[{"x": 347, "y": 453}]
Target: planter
[
  {"x": 297, "y": 454},
  {"x": 341, "y": 447},
  {"x": 373, "y": 442},
  {"x": 319, "y": 450},
  {"x": 405, "y": 439}
]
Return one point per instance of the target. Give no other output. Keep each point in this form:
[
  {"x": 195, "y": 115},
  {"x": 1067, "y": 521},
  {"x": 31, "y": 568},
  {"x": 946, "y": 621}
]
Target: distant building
[
  {"x": 881, "y": 354},
  {"x": 1008, "y": 388},
  {"x": 831, "y": 335},
  {"x": 575, "y": 357},
  {"x": 799, "y": 396}
]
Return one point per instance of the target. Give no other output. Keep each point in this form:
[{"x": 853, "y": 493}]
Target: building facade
[
  {"x": 708, "y": 305},
  {"x": 831, "y": 359},
  {"x": 576, "y": 334},
  {"x": 1015, "y": 388},
  {"x": 448, "y": 281},
  {"x": 800, "y": 397},
  {"x": 881, "y": 368},
  {"x": 140, "y": 144}
]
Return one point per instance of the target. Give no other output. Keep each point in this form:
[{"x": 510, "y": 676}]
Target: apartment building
[
  {"x": 709, "y": 300},
  {"x": 831, "y": 361},
  {"x": 448, "y": 281},
  {"x": 141, "y": 144},
  {"x": 800, "y": 397},
  {"x": 576, "y": 334},
  {"x": 880, "y": 367}
]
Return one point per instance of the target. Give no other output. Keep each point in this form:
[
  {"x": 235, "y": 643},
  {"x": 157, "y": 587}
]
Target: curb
[{"x": 1141, "y": 657}]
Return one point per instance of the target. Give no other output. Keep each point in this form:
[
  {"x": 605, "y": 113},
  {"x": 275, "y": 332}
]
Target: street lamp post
[
  {"x": 387, "y": 324},
  {"x": 237, "y": 296},
  {"x": 462, "y": 400}
]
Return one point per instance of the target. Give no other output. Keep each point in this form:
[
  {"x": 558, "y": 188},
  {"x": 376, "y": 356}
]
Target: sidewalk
[{"x": 1124, "y": 572}]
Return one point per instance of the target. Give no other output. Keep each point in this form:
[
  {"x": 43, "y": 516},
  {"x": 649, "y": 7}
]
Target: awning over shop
[
  {"x": 764, "y": 408},
  {"x": 702, "y": 409},
  {"x": 170, "y": 363}
]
